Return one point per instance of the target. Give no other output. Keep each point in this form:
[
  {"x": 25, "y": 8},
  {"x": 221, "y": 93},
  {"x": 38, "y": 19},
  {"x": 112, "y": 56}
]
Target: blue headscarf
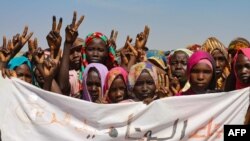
[{"x": 18, "y": 61}]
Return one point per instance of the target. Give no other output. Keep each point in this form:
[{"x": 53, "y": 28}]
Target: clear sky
[{"x": 174, "y": 23}]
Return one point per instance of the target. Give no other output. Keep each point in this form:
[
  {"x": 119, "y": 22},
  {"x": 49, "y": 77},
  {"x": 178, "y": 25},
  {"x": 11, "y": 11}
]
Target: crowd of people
[{"x": 93, "y": 69}]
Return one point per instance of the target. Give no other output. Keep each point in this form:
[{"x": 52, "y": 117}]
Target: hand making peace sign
[
  {"x": 142, "y": 38},
  {"x": 72, "y": 29},
  {"x": 5, "y": 51},
  {"x": 112, "y": 39},
  {"x": 54, "y": 38}
]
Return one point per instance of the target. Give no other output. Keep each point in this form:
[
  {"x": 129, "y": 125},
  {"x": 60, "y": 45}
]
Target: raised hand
[
  {"x": 4, "y": 52},
  {"x": 32, "y": 45},
  {"x": 54, "y": 38},
  {"x": 38, "y": 56},
  {"x": 163, "y": 82},
  {"x": 48, "y": 68},
  {"x": 8, "y": 73},
  {"x": 71, "y": 30},
  {"x": 174, "y": 84},
  {"x": 15, "y": 39},
  {"x": 125, "y": 51},
  {"x": 112, "y": 39},
  {"x": 20, "y": 41},
  {"x": 142, "y": 38},
  {"x": 132, "y": 49}
]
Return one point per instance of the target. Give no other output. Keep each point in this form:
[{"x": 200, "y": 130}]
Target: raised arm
[
  {"x": 8, "y": 51},
  {"x": 71, "y": 33}
]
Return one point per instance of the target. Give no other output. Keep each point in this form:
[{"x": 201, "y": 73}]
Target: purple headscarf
[{"x": 102, "y": 71}]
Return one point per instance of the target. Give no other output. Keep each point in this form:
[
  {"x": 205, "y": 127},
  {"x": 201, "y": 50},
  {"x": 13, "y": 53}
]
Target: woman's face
[
  {"x": 242, "y": 67},
  {"x": 200, "y": 77},
  {"x": 118, "y": 90},
  {"x": 178, "y": 66},
  {"x": 23, "y": 72},
  {"x": 94, "y": 84},
  {"x": 96, "y": 51},
  {"x": 220, "y": 61},
  {"x": 145, "y": 86}
]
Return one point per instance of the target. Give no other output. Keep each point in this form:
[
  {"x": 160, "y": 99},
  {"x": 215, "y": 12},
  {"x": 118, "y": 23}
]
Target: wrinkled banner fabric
[{"x": 28, "y": 113}]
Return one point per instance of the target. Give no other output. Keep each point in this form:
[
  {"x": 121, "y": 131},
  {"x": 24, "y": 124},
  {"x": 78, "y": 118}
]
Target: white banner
[{"x": 28, "y": 113}]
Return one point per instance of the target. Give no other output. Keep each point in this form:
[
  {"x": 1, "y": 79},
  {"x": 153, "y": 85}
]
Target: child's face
[
  {"x": 145, "y": 86},
  {"x": 94, "y": 85},
  {"x": 96, "y": 51},
  {"x": 75, "y": 57},
  {"x": 117, "y": 90},
  {"x": 200, "y": 77}
]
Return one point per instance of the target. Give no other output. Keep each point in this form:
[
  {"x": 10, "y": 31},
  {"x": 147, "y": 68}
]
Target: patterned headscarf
[
  {"x": 136, "y": 70},
  {"x": 102, "y": 71},
  {"x": 112, "y": 75},
  {"x": 212, "y": 44},
  {"x": 110, "y": 62},
  {"x": 233, "y": 43},
  {"x": 246, "y": 52},
  {"x": 157, "y": 54}
]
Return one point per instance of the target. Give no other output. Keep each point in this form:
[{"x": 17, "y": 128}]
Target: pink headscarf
[
  {"x": 112, "y": 75},
  {"x": 206, "y": 61},
  {"x": 195, "y": 59},
  {"x": 246, "y": 52},
  {"x": 102, "y": 71}
]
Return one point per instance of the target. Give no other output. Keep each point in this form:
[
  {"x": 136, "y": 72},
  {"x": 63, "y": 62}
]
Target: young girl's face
[
  {"x": 94, "y": 84},
  {"x": 145, "y": 86},
  {"x": 118, "y": 90},
  {"x": 200, "y": 77},
  {"x": 242, "y": 68},
  {"x": 96, "y": 51},
  {"x": 23, "y": 72}
]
